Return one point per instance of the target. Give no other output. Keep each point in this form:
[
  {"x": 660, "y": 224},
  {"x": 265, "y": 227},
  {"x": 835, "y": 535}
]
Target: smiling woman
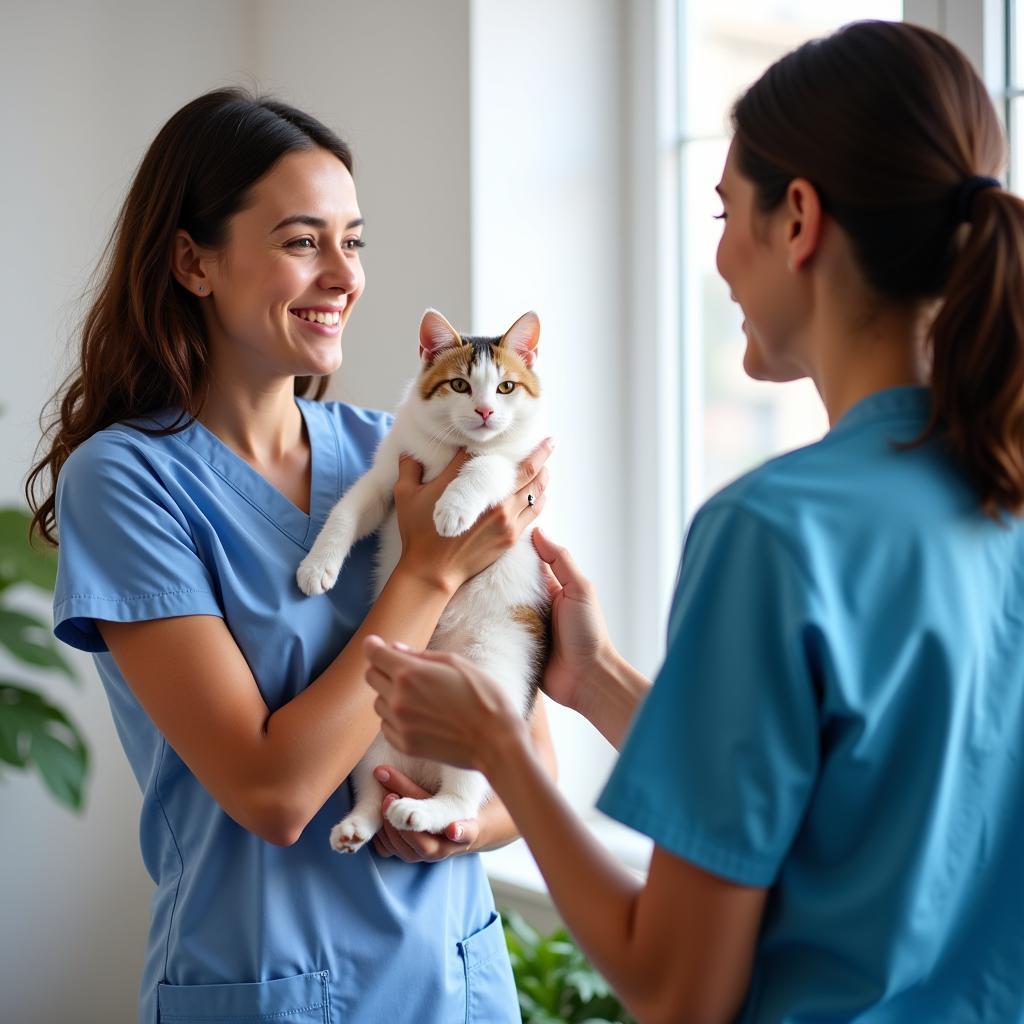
[
  {"x": 298, "y": 275},
  {"x": 186, "y": 478}
]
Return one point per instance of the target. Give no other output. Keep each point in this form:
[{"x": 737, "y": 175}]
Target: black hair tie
[{"x": 968, "y": 190}]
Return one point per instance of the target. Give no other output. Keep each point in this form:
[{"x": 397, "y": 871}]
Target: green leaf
[
  {"x": 29, "y": 640},
  {"x": 21, "y": 562},
  {"x": 34, "y": 733},
  {"x": 588, "y": 983}
]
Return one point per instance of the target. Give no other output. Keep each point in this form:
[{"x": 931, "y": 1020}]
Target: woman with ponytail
[
  {"x": 829, "y": 761},
  {"x": 186, "y": 476}
]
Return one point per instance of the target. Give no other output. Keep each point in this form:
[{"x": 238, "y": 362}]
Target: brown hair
[
  {"x": 888, "y": 121},
  {"x": 143, "y": 342}
]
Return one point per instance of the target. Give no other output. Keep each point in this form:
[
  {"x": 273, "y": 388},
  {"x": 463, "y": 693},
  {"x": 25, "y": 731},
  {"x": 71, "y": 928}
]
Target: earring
[{"x": 201, "y": 289}]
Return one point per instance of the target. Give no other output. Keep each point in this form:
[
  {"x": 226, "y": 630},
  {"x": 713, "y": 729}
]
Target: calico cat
[{"x": 481, "y": 394}]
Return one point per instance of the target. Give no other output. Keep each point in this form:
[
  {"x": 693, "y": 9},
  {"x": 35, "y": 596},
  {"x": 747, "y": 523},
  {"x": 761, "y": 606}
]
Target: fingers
[
  {"x": 387, "y": 659},
  {"x": 528, "y": 502},
  {"x": 380, "y": 681},
  {"x": 451, "y": 471},
  {"x": 399, "y": 783},
  {"x": 382, "y": 845},
  {"x": 410, "y": 473},
  {"x": 554, "y": 587},
  {"x": 464, "y": 833},
  {"x": 534, "y": 462},
  {"x": 530, "y": 509},
  {"x": 559, "y": 559},
  {"x": 417, "y": 847}
]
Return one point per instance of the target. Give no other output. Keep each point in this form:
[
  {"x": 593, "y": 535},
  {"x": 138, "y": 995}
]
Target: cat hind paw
[{"x": 351, "y": 834}]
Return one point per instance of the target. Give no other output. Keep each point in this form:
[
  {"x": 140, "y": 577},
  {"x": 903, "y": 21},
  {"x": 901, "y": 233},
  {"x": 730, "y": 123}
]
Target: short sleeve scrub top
[
  {"x": 242, "y": 930},
  {"x": 840, "y": 717}
]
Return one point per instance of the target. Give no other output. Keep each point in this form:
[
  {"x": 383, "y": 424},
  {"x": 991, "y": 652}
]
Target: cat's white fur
[{"x": 477, "y": 622}]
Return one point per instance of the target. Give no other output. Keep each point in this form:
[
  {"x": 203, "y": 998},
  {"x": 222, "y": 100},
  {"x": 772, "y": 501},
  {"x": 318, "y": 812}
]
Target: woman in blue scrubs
[
  {"x": 191, "y": 477},
  {"x": 829, "y": 761}
]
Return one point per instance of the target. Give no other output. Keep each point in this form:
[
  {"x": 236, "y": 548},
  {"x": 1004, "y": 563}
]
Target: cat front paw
[
  {"x": 451, "y": 520},
  {"x": 318, "y": 571},
  {"x": 352, "y": 833}
]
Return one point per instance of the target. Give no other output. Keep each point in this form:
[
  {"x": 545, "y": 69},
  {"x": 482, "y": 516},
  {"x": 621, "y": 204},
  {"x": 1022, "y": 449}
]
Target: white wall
[
  {"x": 547, "y": 227},
  {"x": 397, "y": 89},
  {"x": 86, "y": 86},
  {"x": 487, "y": 148}
]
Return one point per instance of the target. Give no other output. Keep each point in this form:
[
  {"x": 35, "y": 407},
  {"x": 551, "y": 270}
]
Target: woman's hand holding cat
[
  {"x": 448, "y": 562},
  {"x": 585, "y": 672},
  {"x": 417, "y": 847}
]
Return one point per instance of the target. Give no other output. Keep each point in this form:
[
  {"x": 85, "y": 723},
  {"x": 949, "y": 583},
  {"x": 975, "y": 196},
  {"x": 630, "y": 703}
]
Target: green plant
[
  {"x": 34, "y": 734},
  {"x": 555, "y": 981}
]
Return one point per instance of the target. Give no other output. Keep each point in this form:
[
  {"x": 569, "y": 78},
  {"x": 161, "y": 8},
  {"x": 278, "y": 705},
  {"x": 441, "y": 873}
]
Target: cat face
[{"x": 472, "y": 390}]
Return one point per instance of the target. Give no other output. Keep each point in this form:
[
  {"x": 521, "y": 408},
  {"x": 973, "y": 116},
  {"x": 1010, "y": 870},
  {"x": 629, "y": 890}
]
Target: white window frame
[
  {"x": 978, "y": 27},
  {"x": 666, "y": 443},
  {"x": 671, "y": 437}
]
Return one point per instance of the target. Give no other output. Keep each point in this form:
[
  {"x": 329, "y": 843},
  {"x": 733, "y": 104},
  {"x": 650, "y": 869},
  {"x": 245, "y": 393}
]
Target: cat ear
[
  {"x": 436, "y": 335},
  {"x": 522, "y": 337}
]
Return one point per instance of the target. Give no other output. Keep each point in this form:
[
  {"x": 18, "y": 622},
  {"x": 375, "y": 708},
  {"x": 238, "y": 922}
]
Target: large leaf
[
  {"x": 21, "y": 562},
  {"x": 517, "y": 926},
  {"x": 35, "y": 734},
  {"x": 29, "y": 640},
  {"x": 588, "y": 983}
]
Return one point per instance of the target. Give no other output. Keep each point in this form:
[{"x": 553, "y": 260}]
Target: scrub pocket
[
  {"x": 490, "y": 988},
  {"x": 304, "y": 999}
]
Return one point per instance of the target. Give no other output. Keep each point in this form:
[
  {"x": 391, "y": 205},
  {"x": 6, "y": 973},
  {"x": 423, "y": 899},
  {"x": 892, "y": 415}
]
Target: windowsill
[{"x": 513, "y": 869}]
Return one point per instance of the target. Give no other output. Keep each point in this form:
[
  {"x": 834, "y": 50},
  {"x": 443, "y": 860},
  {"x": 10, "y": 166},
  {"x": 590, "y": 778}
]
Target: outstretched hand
[
  {"x": 580, "y": 636},
  {"x": 417, "y": 847},
  {"x": 438, "y": 705}
]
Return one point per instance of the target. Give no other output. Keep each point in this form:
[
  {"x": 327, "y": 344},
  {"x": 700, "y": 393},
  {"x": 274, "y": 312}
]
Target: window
[
  {"x": 723, "y": 47},
  {"x": 1014, "y": 97}
]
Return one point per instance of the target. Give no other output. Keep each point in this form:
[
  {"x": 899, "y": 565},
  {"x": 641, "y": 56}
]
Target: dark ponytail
[
  {"x": 889, "y": 121},
  {"x": 978, "y": 353}
]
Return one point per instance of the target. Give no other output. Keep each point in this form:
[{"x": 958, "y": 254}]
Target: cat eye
[
  {"x": 459, "y": 385},
  {"x": 506, "y": 387}
]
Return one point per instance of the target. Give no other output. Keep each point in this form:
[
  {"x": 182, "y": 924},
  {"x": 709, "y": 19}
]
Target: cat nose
[{"x": 484, "y": 411}]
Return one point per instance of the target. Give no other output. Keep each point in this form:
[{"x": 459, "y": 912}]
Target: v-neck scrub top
[
  {"x": 243, "y": 930},
  {"x": 840, "y": 716}
]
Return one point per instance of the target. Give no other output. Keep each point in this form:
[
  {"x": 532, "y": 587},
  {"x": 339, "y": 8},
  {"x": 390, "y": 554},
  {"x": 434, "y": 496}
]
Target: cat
[{"x": 481, "y": 394}]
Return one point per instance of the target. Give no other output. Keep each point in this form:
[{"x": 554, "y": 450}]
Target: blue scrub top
[
  {"x": 242, "y": 930},
  {"x": 840, "y": 716}
]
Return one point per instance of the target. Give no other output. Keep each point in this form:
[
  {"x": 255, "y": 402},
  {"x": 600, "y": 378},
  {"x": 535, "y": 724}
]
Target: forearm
[
  {"x": 315, "y": 740},
  {"x": 497, "y": 828},
  {"x": 611, "y": 694},
  {"x": 595, "y": 895}
]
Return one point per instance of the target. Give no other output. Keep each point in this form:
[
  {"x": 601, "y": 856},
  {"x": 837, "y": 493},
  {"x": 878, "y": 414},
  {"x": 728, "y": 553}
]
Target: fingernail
[
  {"x": 382, "y": 774},
  {"x": 399, "y": 646},
  {"x": 458, "y": 832},
  {"x": 550, "y": 442}
]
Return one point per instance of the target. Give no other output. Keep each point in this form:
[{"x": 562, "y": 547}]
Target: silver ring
[{"x": 530, "y": 500}]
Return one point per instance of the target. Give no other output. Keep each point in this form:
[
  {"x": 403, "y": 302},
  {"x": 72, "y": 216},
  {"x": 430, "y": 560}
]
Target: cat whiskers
[{"x": 449, "y": 436}]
